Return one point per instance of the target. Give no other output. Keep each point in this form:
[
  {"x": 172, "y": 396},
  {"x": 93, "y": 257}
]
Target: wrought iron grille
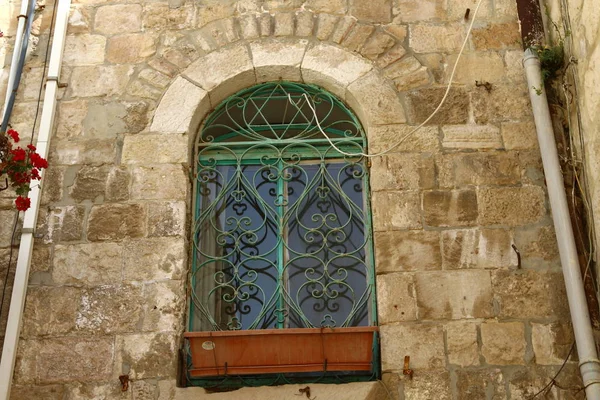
[{"x": 282, "y": 230}]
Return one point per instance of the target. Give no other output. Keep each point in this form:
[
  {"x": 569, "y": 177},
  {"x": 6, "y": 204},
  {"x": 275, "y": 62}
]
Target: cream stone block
[
  {"x": 450, "y": 208},
  {"x": 84, "y": 152},
  {"x": 357, "y": 37},
  {"x": 477, "y": 383},
  {"x": 454, "y": 294},
  {"x": 476, "y": 169},
  {"x": 402, "y": 171},
  {"x": 327, "y": 6},
  {"x": 428, "y": 385},
  {"x": 457, "y": 8},
  {"x": 503, "y": 103},
  {"x": 375, "y": 101},
  {"x": 249, "y": 27},
  {"x": 278, "y": 59},
  {"x": 519, "y": 135},
  {"x": 130, "y": 48},
  {"x": 419, "y": 11},
  {"x": 118, "y": 18},
  {"x": 471, "y": 137},
  {"x": 396, "y": 300},
  {"x": 62, "y": 224},
  {"x": 398, "y": 251},
  {"x": 372, "y": 11},
  {"x": 476, "y": 67},
  {"x": 551, "y": 342},
  {"x": 159, "y": 182},
  {"x": 503, "y": 343},
  {"x": 153, "y": 259},
  {"x": 435, "y": 38},
  {"x": 161, "y": 16},
  {"x": 512, "y": 206},
  {"x": 383, "y": 137},
  {"x": 377, "y": 44},
  {"x": 165, "y": 304},
  {"x": 148, "y": 355},
  {"x": 79, "y": 20},
  {"x": 342, "y": 29},
  {"x": 333, "y": 68},
  {"x": 115, "y": 222},
  {"x": 155, "y": 78},
  {"x": 148, "y": 149},
  {"x": 175, "y": 112},
  {"x": 167, "y": 219},
  {"x": 478, "y": 248},
  {"x": 284, "y": 24},
  {"x": 424, "y": 343},
  {"x": 70, "y": 118},
  {"x": 235, "y": 72},
  {"x": 87, "y": 264},
  {"x": 50, "y": 311},
  {"x": 461, "y": 339},
  {"x": 8, "y": 219},
  {"x": 325, "y": 25},
  {"x": 396, "y": 211},
  {"x": 403, "y": 67},
  {"x": 84, "y": 49},
  {"x": 537, "y": 245},
  {"x": 305, "y": 22},
  {"x": 100, "y": 80}
]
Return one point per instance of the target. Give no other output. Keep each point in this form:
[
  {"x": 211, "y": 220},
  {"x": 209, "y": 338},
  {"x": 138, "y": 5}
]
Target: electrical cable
[
  {"x": 462, "y": 48},
  {"x": 553, "y": 380}
]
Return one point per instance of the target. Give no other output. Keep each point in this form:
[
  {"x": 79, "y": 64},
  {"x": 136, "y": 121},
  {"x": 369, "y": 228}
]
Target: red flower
[
  {"x": 13, "y": 134},
  {"x": 18, "y": 154},
  {"x": 22, "y": 203},
  {"x": 31, "y": 147},
  {"x": 38, "y": 161},
  {"x": 35, "y": 174}
]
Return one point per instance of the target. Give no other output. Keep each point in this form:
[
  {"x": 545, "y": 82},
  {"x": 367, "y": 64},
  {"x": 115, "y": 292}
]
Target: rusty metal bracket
[
  {"x": 124, "y": 379},
  {"x": 407, "y": 370}
]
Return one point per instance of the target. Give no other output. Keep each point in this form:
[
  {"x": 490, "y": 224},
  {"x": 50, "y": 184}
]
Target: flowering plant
[{"x": 20, "y": 166}]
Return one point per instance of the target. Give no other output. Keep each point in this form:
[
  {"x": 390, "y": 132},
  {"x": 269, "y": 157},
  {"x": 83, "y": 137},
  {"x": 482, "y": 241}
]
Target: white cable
[{"x": 462, "y": 48}]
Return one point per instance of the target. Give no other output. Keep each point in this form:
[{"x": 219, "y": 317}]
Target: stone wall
[{"x": 107, "y": 289}]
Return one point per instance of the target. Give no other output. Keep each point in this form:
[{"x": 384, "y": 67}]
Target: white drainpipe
[
  {"x": 17, "y": 301},
  {"x": 16, "y": 51},
  {"x": 589, "y": 365}
]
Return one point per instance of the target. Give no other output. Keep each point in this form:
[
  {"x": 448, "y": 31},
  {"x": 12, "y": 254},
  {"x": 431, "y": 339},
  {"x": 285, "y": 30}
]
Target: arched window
[{"x": 282, "y": 226}]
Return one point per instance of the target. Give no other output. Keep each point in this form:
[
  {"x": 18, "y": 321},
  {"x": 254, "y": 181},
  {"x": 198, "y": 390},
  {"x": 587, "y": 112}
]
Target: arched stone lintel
[{"x": 214, "y": 77}]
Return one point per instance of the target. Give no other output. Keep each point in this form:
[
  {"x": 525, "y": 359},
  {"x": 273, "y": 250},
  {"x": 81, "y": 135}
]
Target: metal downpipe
[{"x": 589, "y": 365}]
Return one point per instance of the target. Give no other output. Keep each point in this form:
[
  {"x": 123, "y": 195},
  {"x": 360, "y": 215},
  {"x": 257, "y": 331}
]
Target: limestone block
[
  {"x": 450, "y": 208},
  {"x": 139, "y": 88},
  {"x": 110, "y": 309},
  {"x": 551, "y": 342},
  {"x": 373, "y": 11},
  {"x": 531, "y": 168},
  {"x": 214, "y": 11},
  {"x": 375, "y": 101},
  {"x": 398, "y": 31},
  {"x": 159, "y": 182},
  {"x": 357, "y": 37},
  {"x": 100, "y": 391},
  {"x": 467, "y": 169},
  {"x": 70, "y": 118},
  {"x": 402, "y": 171},
  {"x": 530, "y": 294},
  {"x": 116, "y": 222},
  {"x": 478, "y": 248},
  {"x": 512, "y": 206},
  {"x": 50, "y": 311},
  {"x": 155, "y": 78},
  {"x": 332, "y": 68},
  {"x": 62, "y": 224},
  {"x": 144, "y": 390},
  {"x": 519, "y": 135},
  {"x": 497, "y": 36},
  {"x": 325, "y": 25},
  {"x": 342, "y": 29},
  {"x": 383, "y": 137},
  {"x": 176, "y": 57},
  {"x": 84, "y": 49},
  {"x": 166, "y": 219},
  {"x": 175, "y": 112},
  {"x": 377, "y": 44},
  {"x": 265, "y": 23},
  {"x": 284, "y": 24},
  {"x": 165, "y": 305},
  {"x": 161, "y": 16},
  {"x": 327, "y": 6},
  {"x": 83, "y": 152},
  {"x": 79, "y": 20},
  {"x": 130, "y": 48},
  {"x": 282, "y": 4},
  {"x": 118, "y": 18},
  {"x": 87, "y": 263},
  {"x": 424, "y": 343},
  {"x": 46, "y": 392},
  {"x": 6, "y": 227},
  {"x": 472, "y": 67},
  {"x": 471, "y": 137},
  {"x": 427, "y": 385},
  {"x": 537, "y": 246},
  {"x": 412, "y": 11},
  {"x": 403, "y": 67},
  {"x": 526, "y": 382},
  {"x": 117, "y": 188},
  {"x": 454, "y": 294},
  {"x": 249, "y": 27},
  {"x": 461, "y": 339},
  {"x": 396, "y": 300},
  {"x": 68, "y": 359},
  {"x": 396, "y": 211},
  {"x": 455, "y": 109},
  {"x": 278, "y": 59},
  {"x": 436, "y": 38},
  {"x": 163, "y": 66},
  {"x": 503, "y": 103},
  {"x": 90, "y": 183},
  {"x": 236, "y": 72},
  {"x": 514, "y": 66},
  {"x": 217, "y": 34},
  {"x": 413, "y": 80},
  {"x": 476, "y": 383},
  {"x": 407, "y": 251},
  {"x": 503, "y": 343},
  {"x": 148, "y": 149},
  {"x": 456, "y": 9},
  {"x": 104, "y": 120},
  {"x": 149, "y": 355},
  {"x": 153, "y": 259},
  {"x": 41, "y": 259},
  {"x": 305, "y": 22},
  {"x": 52, "y": 190},
  {"x": 90, "y": 81}
]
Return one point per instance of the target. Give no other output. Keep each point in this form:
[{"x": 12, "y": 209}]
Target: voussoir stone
[
  {"x": 116, "y": 222},
  {"x": 275, "y": 60},
  {"x": 176, "y": 112}
]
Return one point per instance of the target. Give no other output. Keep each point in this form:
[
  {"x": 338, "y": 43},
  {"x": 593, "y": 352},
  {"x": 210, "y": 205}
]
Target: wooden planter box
[{"x": 269, "y": 351}]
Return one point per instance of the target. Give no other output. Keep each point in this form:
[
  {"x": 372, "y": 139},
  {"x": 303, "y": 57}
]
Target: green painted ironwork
[{"x": 282, "y": 229}]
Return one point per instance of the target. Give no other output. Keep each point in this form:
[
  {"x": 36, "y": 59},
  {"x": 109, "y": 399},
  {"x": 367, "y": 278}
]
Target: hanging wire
[{"x": 406, "y": 136}]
